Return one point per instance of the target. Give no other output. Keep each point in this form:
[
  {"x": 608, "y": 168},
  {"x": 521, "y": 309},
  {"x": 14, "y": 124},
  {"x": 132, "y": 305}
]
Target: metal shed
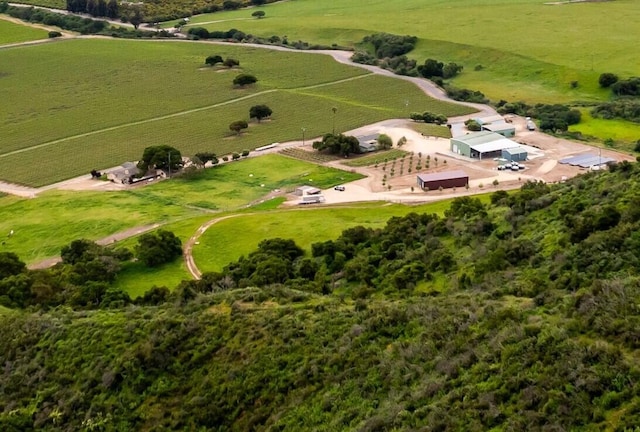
[
  {"x": 448, "y": 179},
  {"x": 515, "y": 154},
  {"x": 481, "y": 145}
]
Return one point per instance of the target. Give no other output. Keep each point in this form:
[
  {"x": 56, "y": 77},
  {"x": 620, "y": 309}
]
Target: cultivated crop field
[
  {"x": 48, "y": 222},
  {"x": 13, "y": 33},
  {"x": 133, "y": 94},
  {"x": 527, "y": 49}
]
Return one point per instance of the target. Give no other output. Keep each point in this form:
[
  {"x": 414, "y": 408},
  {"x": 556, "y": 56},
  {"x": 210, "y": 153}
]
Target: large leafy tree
[
  {"x": 338, "y": 144},
  {"x": 158, "y": 247},
  {"x": 238, "y": 125},
  {"x": 244, "y": 80},
  {"x": 162, "y": 157}
]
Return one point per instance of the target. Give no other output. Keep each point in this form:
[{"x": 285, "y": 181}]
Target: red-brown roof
[{"x": 447, "y": 175}]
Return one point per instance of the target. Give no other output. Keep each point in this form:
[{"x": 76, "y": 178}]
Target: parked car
[{"x": 340, "y": 188}]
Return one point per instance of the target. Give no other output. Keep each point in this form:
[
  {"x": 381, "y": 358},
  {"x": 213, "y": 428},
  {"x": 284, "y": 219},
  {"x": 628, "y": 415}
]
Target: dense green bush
[{"x": 627, "y": 109}]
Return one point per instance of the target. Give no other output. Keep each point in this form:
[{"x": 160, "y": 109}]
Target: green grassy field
[
  {"x": 624, "y": 133},
  {"x": 13, "y": 33},
  {"x": 431, "y": 130},
  {"x": 107, "y": 112},
  {"x": 528, "y": 50},
  {"x": 44, "y": 224},
  {"x": 231, "y": 238}
]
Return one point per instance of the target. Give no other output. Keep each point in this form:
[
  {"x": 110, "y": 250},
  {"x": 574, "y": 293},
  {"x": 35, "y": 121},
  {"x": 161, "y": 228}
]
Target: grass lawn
[
  {"x": 624, "y": 133},
  {"x": 13, "y": 33},
  {"x": 44, "y": 224},
  {"x": 136, "y": 279},
  {"x": 431, "y": 130},
  {"x": 528, "y": 50},
  {"x": 229, "y": 239},
  {"x": 107, "y": 112}
]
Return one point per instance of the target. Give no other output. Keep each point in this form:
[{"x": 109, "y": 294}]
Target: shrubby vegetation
[
  {"x": 388, "y": 52},
  {"x": 436, "y": 69},
  {"x": 628, "y": 109},
  {"x": 76, "y": 23},
  {"x": 518, "y": 315},
  {"x": 235, "y": 35},
  {"x": 554, "y": 118},
  {"x": 465, "y": 95},
  {"x": 628, "y": 87},
  {"x": 429, "y": 117}
]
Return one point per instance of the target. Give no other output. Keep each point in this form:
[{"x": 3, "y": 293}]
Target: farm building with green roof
[{"x": 481, "y": 145}]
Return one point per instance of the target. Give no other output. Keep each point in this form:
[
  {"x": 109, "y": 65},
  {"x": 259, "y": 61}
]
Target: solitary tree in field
[
  {"x": 258, "y": 14},
  {"x": 259, "y": 112},
  {"x": 231, "y": 62},
  {"x": 244, "y": 80},
  {"x": 213, "y": 60},
  {"x": 238, "y": 125}
]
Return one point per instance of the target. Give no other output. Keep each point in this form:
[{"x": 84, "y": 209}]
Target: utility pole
[
  {"x": 303, "y": 131},
  {"x": 169, "y": 164}
]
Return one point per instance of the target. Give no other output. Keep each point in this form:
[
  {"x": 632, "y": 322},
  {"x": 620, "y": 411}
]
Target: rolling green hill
[
  {"x": 528, "y": 49},
  {"x": 519, "y": 315}
]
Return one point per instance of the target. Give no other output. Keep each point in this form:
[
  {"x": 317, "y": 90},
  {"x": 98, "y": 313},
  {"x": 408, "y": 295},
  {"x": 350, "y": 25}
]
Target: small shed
[
  {"x": 447, "y": 179},
  {"x": 307, "y": 190},
  {"x": 514, "y": 154}
]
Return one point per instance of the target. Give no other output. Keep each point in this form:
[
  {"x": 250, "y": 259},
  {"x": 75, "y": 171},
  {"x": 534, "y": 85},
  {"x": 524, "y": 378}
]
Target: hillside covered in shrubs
[{"x": 518, "y": 315}]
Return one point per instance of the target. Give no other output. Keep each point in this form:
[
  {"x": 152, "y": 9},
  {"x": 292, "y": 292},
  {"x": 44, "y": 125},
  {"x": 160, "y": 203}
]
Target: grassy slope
[
  {"x": 116, "y": 89},
  {"x": 71, "y": 215},
  {"x": 529, "y": 50},
  {"x": 229, "y": 239},
  {"x": 14, "y": 33},
  {"x": 544, "y": 341},
  {"x": 623, "y": 132}
]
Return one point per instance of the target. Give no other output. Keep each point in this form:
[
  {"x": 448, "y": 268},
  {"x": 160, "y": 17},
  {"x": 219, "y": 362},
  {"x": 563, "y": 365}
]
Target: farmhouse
[
  {"x": 448, "y": 179},
  {"x": 123, "y": 173},
  {"x": 368, "y": 143},
  {"x": 498, "y": 125},
  {"x": 481, "y": 145}
]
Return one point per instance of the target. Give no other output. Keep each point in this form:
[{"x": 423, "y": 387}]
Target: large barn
[
  {"x": 448, "y": 179},
  {"x": 481, "y": 145}
]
